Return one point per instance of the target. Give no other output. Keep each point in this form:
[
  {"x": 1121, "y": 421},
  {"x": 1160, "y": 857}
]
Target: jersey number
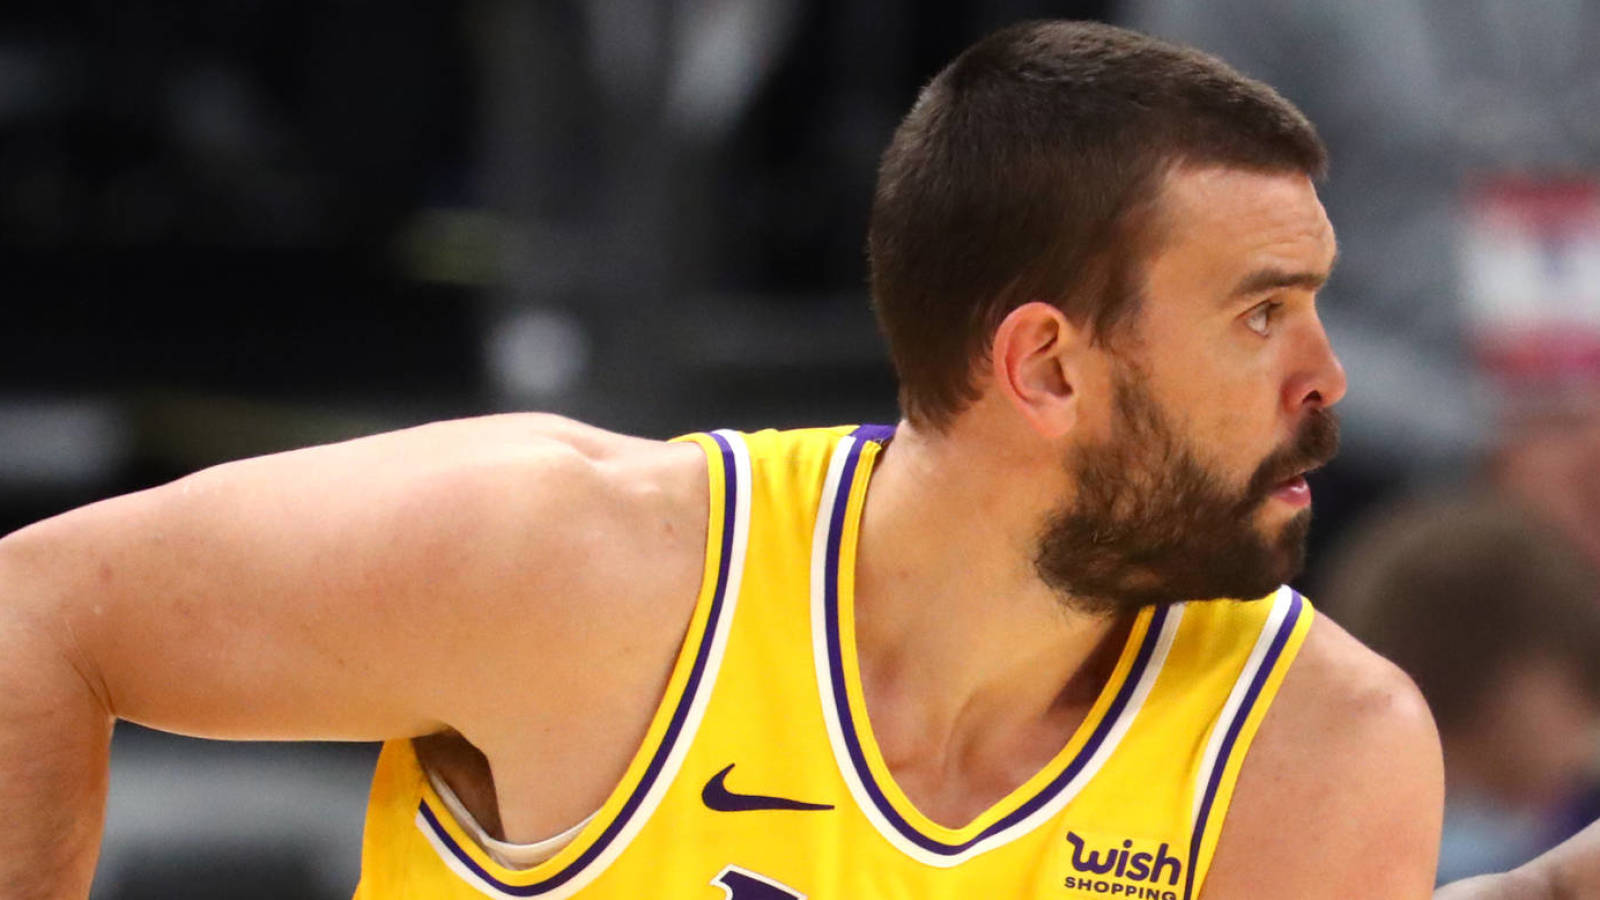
[{"x": 743, "y": 884}]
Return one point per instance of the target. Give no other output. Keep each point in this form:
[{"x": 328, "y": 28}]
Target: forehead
[{"x": 1218, "y": 225}]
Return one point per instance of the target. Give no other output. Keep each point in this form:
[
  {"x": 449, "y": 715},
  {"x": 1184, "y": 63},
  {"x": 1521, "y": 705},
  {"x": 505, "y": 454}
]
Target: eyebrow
[{"x": 1263, "y": 280}]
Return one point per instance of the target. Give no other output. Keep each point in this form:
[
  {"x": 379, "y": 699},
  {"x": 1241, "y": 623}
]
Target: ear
[{"x": 1036, "y": 358}]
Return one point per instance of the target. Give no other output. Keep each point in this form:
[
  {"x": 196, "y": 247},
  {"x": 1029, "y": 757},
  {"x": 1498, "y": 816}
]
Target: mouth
[{"x": 1294, "y": 490}]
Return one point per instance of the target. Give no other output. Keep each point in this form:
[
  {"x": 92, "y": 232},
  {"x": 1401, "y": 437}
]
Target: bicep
[{"x": 336, "y": 592}]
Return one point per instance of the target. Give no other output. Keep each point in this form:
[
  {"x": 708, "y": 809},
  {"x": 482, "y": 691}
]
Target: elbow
[{"x": 44, "y": 654}]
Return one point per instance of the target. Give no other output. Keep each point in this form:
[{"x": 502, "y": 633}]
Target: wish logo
[{"x": 1123, "y": 869}]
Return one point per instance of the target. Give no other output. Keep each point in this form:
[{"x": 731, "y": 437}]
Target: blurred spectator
[
  {"x": 1554, "y": 467},
  {"x": 1497, "y": 619}
]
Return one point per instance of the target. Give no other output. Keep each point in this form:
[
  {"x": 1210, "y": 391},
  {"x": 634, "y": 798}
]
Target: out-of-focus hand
[
  {"x": 1515, "y": 885},
  {"x": 1569, "y": 871}
]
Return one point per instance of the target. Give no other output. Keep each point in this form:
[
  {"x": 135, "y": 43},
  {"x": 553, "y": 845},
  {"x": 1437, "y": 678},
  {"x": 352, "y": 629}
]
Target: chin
[
  {"x": 1273, "y": 510},
  {"x": 1287, "y": 543},
  {"x": 1276, "y": 522}
]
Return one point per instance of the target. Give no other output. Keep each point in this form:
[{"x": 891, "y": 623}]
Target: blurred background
[{"x": 235, "y": 227}]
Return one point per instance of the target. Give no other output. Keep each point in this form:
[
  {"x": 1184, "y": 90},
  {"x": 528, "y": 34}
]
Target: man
[{"x": 996, "y": 673}]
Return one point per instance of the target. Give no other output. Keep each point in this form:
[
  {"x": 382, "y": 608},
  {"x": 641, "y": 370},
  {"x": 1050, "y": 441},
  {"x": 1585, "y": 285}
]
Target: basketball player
[{"x": 1029, "y": 643}]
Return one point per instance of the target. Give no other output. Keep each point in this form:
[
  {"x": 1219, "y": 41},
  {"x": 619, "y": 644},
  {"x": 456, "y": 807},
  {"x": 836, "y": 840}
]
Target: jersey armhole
[{"x": 672, "y": 728}]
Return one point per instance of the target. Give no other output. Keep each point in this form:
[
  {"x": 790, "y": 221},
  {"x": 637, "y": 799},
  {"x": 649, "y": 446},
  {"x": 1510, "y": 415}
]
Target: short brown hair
[{"x": 1018, "y": 176}]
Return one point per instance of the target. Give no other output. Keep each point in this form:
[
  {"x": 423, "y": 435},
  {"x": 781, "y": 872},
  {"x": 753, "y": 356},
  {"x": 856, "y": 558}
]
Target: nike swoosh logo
[{"x": 716, "y": 796}]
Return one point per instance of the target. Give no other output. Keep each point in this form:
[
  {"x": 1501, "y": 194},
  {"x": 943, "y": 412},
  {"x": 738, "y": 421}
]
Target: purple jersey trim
[
  {"x": 674, "y": 728},
  {"x": 841, "y": 699},
  {"x": 1268, "y": 663},
  {"x": 878, "y": 434}
]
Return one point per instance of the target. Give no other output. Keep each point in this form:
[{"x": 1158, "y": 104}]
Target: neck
[{"x": 964, "y": 652}]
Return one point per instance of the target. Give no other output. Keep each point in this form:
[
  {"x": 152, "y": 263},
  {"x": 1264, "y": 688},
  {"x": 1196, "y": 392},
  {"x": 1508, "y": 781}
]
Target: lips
[
  {"x": 1301, "y": 473},
  {"x": 1283, "y": 472},
  {"x": 1287, "y": 484},
  {"x": 1293, "y": 491}
]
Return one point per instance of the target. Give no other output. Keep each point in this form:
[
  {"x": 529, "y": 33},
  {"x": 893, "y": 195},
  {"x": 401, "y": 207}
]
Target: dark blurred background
[{"x": 235, "y": 227}]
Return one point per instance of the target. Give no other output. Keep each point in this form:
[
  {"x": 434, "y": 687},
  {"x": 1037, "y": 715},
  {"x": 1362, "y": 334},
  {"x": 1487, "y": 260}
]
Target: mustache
[{"x": 1312, "y": 447}]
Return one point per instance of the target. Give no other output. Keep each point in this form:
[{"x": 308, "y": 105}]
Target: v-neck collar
[{"x": 844, "y": 707}]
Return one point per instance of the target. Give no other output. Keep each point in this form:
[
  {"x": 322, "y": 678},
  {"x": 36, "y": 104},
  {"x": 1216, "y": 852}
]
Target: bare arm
[
  {"x": 1568, "y": 871},
  {"x": 365, "y": 590},
  {"x": 55, "y": 732},
  {"x": 1343, "y": 792}
]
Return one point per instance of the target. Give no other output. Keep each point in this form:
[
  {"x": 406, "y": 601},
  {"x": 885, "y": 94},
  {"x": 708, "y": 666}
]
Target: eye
[{"x": 1260, "y": 317}]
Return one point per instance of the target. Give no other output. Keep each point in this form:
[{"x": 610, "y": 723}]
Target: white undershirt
[{"x": 512, "y": 856}]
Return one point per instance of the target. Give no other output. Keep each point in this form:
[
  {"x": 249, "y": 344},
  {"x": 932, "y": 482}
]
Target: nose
[{"x": 1319, "y": 378}]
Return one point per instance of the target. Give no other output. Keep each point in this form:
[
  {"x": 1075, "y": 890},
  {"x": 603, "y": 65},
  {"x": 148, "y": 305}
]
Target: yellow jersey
[{"x": 759, "y": 778}]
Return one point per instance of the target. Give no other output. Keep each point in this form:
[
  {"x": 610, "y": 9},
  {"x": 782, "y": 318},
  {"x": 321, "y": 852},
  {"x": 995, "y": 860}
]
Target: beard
[{"x": 1152, "y": 525}]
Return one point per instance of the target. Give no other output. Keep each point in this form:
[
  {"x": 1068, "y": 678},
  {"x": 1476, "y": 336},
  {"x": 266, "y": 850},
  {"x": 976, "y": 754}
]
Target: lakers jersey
[{"x": 759, "y": 778}]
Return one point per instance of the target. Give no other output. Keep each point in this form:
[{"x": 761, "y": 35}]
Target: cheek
[
  {"x": 1230, "y": 420},
  {"x": 1097, "y": 412}
]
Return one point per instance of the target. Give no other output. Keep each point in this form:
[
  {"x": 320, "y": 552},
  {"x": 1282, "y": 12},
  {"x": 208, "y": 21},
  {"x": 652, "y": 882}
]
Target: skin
[
  {"x": 1570, "y": 871},
  {"x": 376, "y": 585},
  {"x": 1366, "y": 803},
  {"x": 370, "y": 592},
  {"x": 1364, "y": 808}
]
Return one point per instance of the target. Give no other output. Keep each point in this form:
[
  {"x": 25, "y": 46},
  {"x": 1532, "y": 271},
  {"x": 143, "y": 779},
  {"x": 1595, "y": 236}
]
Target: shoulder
[
  {"x": 581, "y": 558},
  {"x": 1343, "y": 788},
  {"x": 559, "y": 456},
  {"x": 591, "y": 567},
  {"x": 532, "y": 535},
  {"x": 593, "y": 517},
  {"x": 1338, "y": 687},
  {"x": 543, "y": 481}
]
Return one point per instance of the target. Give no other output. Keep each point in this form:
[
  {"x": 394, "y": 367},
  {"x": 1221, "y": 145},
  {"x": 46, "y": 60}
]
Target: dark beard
[{"x": 1151, "y": 525}]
